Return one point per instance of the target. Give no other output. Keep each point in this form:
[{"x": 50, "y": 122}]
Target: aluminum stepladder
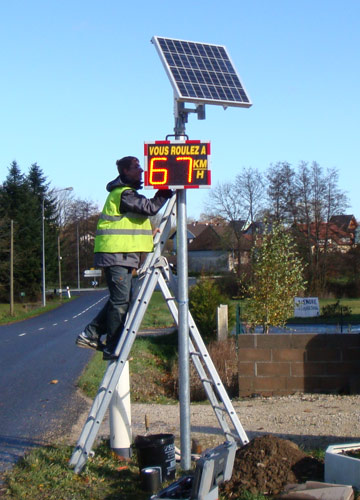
[{"x": 156, "y": 271}]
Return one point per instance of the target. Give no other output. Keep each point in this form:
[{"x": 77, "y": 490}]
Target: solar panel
[{"x": 201, "y": 72}]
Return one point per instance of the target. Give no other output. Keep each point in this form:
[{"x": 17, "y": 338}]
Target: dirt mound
[{"x": 267, "y": 464}]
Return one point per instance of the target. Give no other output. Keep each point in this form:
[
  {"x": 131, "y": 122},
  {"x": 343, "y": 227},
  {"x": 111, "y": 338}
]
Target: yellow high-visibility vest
[{"x": 118, "y": 233}]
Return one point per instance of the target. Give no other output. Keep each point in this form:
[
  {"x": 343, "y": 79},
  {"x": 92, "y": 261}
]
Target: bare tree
[
  {"x": 319, "y": 199},
  {"x": 78, "y": 237},
  {"x": 282, "y": 192},
  {"x": 224, "y": 201},
  {"x": 237, "y": 203},
  {"x": 250, "y": 188}
]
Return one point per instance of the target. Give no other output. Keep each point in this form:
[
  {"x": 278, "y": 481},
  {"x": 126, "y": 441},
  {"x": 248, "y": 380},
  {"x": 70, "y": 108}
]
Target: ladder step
[
  {"x": 216, "y": 407},
  {"x": 233, "y": 436},
  {"x": 209, "y": 381}
]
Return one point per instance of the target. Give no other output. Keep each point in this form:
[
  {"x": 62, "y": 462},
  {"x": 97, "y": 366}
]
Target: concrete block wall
[{"x": 310, "y": 363}]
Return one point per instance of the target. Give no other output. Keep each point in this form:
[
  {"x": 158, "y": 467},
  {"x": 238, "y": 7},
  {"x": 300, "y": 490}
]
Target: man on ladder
[{"x": 123, "y": 232}]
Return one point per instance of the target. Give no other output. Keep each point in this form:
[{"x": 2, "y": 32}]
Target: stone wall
[{"x": 311, "y": 363}]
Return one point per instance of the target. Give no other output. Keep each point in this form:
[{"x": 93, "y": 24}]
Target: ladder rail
[
  {"x": 197, "y": 363},
  {"x": 111, "y": 378},
  {"x": 142, "y": 295},
  {"x": 202, "y": 352}
]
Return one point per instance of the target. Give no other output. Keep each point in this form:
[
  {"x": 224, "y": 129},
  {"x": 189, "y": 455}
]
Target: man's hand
[{"x": 165, "y": 193}]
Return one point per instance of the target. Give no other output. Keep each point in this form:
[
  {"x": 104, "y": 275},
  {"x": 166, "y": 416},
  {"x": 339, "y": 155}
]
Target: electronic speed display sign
[{"x": 177, "y": 165}]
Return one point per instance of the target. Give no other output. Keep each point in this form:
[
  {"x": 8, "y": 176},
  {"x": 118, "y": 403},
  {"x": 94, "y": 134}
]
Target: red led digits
[
  {"x": 190, "y": 166},
  {"x": 162, "y": 173}
]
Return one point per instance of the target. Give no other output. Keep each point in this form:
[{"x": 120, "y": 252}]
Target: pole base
[{"x": 123, "y": 452}]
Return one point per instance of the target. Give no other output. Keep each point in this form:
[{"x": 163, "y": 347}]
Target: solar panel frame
[{"x": 201, "y": 73}]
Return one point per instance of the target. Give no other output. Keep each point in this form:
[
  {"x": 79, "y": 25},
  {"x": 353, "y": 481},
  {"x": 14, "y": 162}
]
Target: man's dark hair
[{"x": 124, "y": 163}]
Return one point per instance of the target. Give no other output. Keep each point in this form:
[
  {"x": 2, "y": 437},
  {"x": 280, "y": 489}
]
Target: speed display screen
[{"x": 177, "y": 164}]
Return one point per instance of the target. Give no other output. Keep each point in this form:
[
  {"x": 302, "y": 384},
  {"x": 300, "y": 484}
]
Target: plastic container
[
  {"x": 341, "y": 468},
  {"x": 157, "y": 450}
]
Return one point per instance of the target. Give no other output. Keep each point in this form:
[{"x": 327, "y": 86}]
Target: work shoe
[
  {"x": 108, "y": 355},
  {"x": 84, "y": 341}
]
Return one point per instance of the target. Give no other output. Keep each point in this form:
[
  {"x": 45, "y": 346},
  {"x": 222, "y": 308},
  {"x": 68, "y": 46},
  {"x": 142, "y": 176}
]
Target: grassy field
[
  {"x": 157, "y": 314},
  {"x": 352, "y": 319}
]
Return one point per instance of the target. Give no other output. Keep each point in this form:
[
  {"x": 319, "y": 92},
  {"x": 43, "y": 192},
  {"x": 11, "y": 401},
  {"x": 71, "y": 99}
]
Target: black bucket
[{"x": 157, "y": 450}]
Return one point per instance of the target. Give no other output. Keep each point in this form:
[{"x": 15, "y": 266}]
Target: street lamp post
[
  {"x": 43, "y": 244},
  {"x": 43, "y": 251},
  {"x": 59, "y": 248},
  {"x": 78, "y": 254}
]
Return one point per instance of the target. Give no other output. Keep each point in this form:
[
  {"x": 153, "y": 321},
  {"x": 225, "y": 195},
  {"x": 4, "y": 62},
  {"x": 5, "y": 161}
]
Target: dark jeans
[{"x": 111, "y": 319}]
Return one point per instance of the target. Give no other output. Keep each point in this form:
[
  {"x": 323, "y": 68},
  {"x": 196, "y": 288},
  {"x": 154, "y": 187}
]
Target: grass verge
[
  {"x": 151, "y": 360},
  {"x": 28, "y": 310},
  {"x": 44, "y": 474}
]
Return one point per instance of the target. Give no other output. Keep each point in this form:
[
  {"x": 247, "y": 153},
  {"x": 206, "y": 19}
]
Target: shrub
[
  {"x": 232, "y": 286},
  {"x": 335, "y": 310},
  {"x": 204, "y": 298}
]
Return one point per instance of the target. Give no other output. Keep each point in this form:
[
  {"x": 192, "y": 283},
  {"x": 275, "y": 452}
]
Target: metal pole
[
  {"x": 183, "y": 341},
  {"x": 11, "y": 268},
  {"x": 59, "y": 264},
  {"x": 183, "y": 305},
  {"x": 43, "y": 251},
  {"x": 58, "y": 241},
  {"x": 78, "y": 255}
]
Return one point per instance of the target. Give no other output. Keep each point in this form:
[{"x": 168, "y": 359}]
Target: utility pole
[
  {"x": 12, "y": 268},
  {"x": 43, "y": 250}
]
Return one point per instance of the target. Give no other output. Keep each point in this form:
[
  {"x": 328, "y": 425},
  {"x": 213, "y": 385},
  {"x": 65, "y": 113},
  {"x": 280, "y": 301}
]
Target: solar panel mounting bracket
[
  {"x": 181, "y": 116},
  {"x": 181, "y": 110}
]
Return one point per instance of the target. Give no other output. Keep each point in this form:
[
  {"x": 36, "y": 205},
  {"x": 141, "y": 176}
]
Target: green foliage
[
  {"x": 278, "y": 278},
  {"x": 21, "y": 201},
  {"x": 232, "y": 285},
  {"x": 204, "y": 298},
  {"x": 335, "y": 310}
]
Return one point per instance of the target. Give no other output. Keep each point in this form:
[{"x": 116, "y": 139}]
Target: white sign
[
  {"x": 91, "y": 273},
  {"x": 306, "y": 307}
]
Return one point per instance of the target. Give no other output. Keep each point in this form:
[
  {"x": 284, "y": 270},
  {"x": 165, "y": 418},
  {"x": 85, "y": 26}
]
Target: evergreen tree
[
  {"x": 15, "y": 204},
  {"x": 4, "y": 257},
  {"x": 21, "y": 201}
]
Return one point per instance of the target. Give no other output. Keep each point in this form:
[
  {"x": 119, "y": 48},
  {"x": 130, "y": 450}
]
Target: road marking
[
  {"x": 22, "y": 334},
  {"x": 54, "y": 324},
  {"x": 42, "y": 328},
  {"x": 88, "y": 308}
]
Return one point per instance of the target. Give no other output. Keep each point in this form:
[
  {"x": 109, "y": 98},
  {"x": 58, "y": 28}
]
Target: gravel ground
[{"x": 310, "y": 420}]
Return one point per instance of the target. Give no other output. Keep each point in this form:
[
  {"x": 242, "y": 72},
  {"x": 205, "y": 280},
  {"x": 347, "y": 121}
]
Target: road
[{"x": 40, "y": 364}]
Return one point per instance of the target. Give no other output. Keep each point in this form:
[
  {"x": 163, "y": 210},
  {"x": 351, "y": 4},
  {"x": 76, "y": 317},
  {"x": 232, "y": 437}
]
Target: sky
[{"x": 82, "y": 85}]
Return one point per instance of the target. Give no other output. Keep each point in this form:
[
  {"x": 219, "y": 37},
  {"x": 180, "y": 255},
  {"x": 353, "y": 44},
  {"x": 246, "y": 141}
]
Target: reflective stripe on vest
[{"x": 116, "y": 232}]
